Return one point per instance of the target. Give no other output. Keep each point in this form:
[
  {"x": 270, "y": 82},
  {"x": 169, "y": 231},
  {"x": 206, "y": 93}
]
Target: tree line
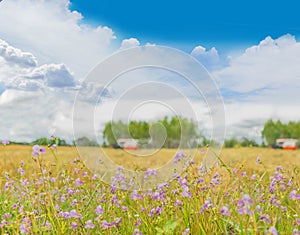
[
  {"x": 276, "y": 129},
  {"x": 177, "y": 130}
]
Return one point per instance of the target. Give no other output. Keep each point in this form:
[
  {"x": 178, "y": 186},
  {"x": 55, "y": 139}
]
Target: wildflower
[
  {"x": 257, "y": 160},
  {"x": 24, "y": 229},
  {"x": 149, "y": 172},
  {"x": 279, "y": 168},
  {"x": 73, "y": 214},
  {"x": 5, "y": 142},
  {"x": 74, "y": 203},
  {"x": 78, "y": 182},
  {"x": 186, "y": 192},
  {"x": 89, "y": 224},
  {"x": 179, "y": 155},
  {"x": 208, "y": 203},
  {"x": 186, "y": 231},
  {"x": 48, "y": 225},
  {"x": 265, "y": 218},
  {"x": 272, "y": 231},
  {"x": 137, "y": 232},
  {"x": 118, "y": 220},
  {"x": 105, "y": 224},
  {"x": 253, "y": 177},
  {"x": 99, "y": 210},
  {"x": 151, "y": 212},
  {"x": 36, "y": 150},
  {"x": 74, "y": 225},
  {"x": 294, "y": 195},
  {"x": 135, "y": 196},
  {"x": 94, "y": 177},
  {"x": 224, "y": 211},
  {"x": 158, "y": 210}
]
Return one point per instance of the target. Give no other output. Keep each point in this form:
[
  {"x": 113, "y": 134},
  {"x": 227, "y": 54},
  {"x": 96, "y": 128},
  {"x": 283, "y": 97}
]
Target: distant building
[
  {"x": 285, "y": 143},
  {"x": 130, "y": 144}
]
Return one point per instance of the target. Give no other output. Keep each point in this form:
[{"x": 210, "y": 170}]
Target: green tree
[
  {"x": 272, "y": 131},
  {"x": 41, "y": 141}
]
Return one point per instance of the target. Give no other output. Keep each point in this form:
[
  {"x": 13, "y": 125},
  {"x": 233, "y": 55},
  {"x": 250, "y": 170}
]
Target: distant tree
[
  {"x": 179, "y": 131},
  {"x": 41, "y": 141},
  {"x": 231, "y": 143},
  {"x": 84, "y": 141},
  {"x": 245, "y": 142},
  {"x": 274, "y": 130}
]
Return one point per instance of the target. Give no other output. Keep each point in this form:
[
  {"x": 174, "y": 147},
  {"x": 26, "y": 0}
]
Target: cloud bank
[{"x": 46, "y": 52}]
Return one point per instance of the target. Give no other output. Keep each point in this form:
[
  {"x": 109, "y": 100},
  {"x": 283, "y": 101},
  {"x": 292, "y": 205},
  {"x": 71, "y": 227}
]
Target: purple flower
[
  {"x": 74, "y": 214},
  {"x": 272, "y": 231},
  {"x": 78, "y": 182},
  {"x": 36, "y": 150},
  {"x": 135, "y": 196},
  {"x": 149, "y": 172},
  {"x": 179, "y": 155},
  {"x": 158, "y": 210},
  {"x": 224, "y": 211},
  {"x": 118, "y": 220},
  {"x": 294, "y": 195},
  {"x": 207, "y": 204},
  {"x": 105, "y": 224},
  {"x": 186, "y": 231},
  {"x": 265, "y": 218},
  {"x": 89, "y": 224},
  {"x": 257, "y": 160},
  {"x": 99, "y": 210},
  {"x": 186, "y": 192},
  {"x": 74, "y": 225},
  {"x": 24, "y": 229},
  {"x": 5, "y": 142},
  {"x": 137, "y": 232},
  {"x": 151, "y": 212},
  {"x": 253, "y": 177}
]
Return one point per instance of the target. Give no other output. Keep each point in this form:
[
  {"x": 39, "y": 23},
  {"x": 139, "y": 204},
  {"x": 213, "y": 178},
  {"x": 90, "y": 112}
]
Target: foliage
[
  {"x": 177, "y": 129},
  {"x": 84, "y": 141},
  {"x": 53, "y": 140},
  {"x": 243, "y": 142},
  {"x": 276, "y": 129}
]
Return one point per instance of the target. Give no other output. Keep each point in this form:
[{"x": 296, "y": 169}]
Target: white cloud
[
  {"x": 209, "y": 58},
  {"x": 16, "y": 56},
  {"x": 264, "y": 83},
  {"x": 273, "y": 64},
  {"x": 19, "y": 70},
  {"x": 128, "y": 43},
  {"x": 54, "y": 34}
]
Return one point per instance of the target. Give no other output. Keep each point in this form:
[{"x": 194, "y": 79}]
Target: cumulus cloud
[
  {"x": 16, "y": 56},
  {"x": 260, "y": 84},
  {"x": 19, "y": 70},
  {"x": 54, "y": 34},
  {"x": 128, "y": 43},
  {"x": 273, "y": 64},
  {"x": 209, "y": 58}
]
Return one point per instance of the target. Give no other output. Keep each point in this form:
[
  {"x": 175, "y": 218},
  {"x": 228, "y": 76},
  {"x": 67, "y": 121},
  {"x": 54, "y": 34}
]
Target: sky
[{"x": 47, "y": 48}]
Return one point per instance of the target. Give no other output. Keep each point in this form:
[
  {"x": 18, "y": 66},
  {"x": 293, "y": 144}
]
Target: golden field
[{"x": 12, "y": 155}]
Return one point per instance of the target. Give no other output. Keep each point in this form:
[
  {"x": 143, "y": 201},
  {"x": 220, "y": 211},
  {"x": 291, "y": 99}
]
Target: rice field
[{"x": 248, "y": 191}]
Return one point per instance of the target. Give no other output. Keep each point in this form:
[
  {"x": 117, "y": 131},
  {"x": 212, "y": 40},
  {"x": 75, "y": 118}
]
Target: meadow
[{"x": 248, "y": 191}]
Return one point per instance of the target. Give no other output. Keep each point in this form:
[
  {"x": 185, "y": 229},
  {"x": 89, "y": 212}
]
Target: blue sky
[
  {"x": 47, "y": 48},
  {"x": 227, "y": 25}
]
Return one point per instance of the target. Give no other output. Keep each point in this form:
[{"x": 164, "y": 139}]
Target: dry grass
[{"x": 12, "y": 155}]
